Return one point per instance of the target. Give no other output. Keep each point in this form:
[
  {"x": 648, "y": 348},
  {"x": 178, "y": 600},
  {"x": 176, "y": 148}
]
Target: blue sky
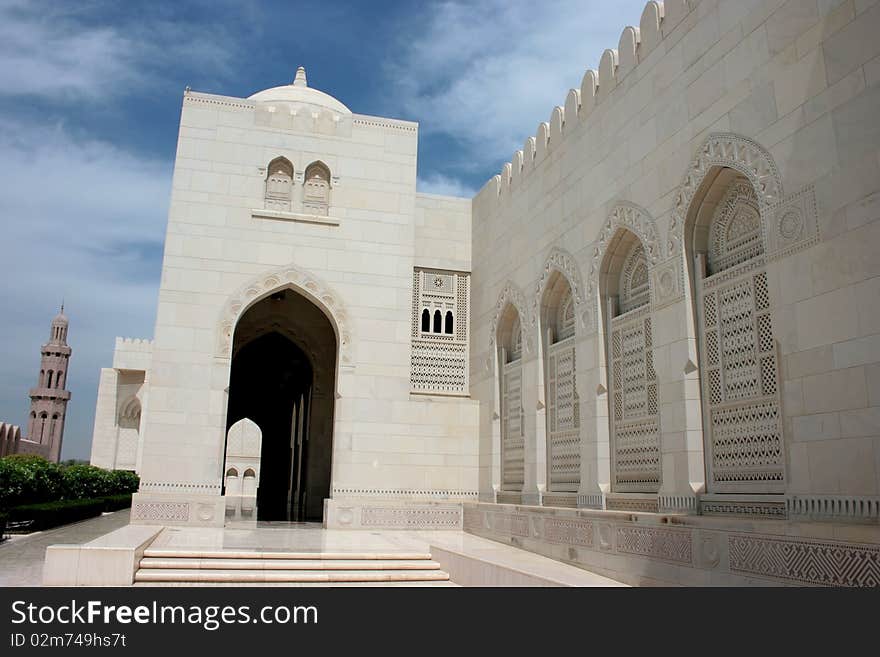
[{"x": 90, "y": 95}]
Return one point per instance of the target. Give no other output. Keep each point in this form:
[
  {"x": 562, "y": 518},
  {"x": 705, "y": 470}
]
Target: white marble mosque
[{"x": 648, "y": 348}]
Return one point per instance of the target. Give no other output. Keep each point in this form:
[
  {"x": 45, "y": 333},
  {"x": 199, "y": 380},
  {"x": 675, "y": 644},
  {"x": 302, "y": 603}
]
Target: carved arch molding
[
  {"x": 302, "y": 282},
  {"x": 788, "y": 223},
  {"x": 562, "y": 262}
]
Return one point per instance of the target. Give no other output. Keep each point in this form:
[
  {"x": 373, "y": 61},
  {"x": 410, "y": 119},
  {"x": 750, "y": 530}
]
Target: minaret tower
[{"x": 49, "y": 399}]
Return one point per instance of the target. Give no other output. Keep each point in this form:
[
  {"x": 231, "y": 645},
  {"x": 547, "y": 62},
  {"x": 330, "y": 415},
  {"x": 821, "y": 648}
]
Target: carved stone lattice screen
[
  {"x": 512, "y": 439},
  {"x": 740, "y": 381},
  {"x": 635, "y": 421},
  {"x": 563, "y": 418},
  {"x": 439, "y": 357}
]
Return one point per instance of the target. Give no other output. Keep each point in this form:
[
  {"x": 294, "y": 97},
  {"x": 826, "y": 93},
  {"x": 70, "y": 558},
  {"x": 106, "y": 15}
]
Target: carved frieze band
[
  {"x": 167, "y": 511},
  {"x": 411, "y": 517},
  {"x": 805, "y": 561},
  {"x": 665, "y": 544}
]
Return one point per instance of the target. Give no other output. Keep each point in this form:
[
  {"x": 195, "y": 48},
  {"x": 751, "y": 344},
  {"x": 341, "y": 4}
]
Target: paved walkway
[{"x": 21, "y": 557}]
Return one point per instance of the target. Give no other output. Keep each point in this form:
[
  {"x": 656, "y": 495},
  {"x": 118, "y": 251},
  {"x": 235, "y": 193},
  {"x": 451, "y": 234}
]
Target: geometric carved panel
[
  {"x": 805, "y": 561},
  {"x": 411, "y": 517},
  {"x": 666, "y": 544},
  {"x": 178, "y": 511}
]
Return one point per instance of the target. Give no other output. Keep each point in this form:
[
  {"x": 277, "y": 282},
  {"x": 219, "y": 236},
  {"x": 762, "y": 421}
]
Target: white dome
[{"x": 298, "y": 92}]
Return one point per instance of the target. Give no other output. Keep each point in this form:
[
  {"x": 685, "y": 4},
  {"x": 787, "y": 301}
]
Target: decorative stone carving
[
  {"x": 300, "y": 281},
  {"x": 511, "y": 294},
  {"x": 411, "y": 517},
  {"x": 632, "y": 218},
  {"x": 735, "y": 152},
  {"x": 168, "y": 511},
  {"x": 805, "y": 561},
  {"x": 439, "y": 349},
  {"x": 563, "y": 262},
  {"x": 665, "y": 544},
  {"x": 794, "y": 224}
]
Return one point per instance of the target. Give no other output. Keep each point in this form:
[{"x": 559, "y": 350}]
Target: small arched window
[
  {"x": 58, "y": 379},
  {"x": 449, "y": 328},
  {"x": 42, "y": 378},
  {"x": 279, "y": 184},
  {"x": 249, "y": 473},
  {"x": 316, "y": 189},
  {"x": 426, "y": 321},
  {"x": 232, "y": 472},
  {"x": 49, "y": 379},
  {"x": 438, "y": 322}
]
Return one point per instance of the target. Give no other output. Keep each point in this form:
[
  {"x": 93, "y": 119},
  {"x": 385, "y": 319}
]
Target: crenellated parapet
[
  {"x": 132, "y": 354},
  {"x": 659, "y": 19}
]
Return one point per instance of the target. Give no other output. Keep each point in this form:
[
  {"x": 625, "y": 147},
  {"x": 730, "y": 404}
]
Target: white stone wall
[
  {"x": 797, "y": 84},
  {"x": 222, "y": 253}
]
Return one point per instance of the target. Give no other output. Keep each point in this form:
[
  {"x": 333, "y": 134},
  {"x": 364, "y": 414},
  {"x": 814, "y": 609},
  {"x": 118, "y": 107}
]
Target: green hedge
[
  {"x": 116, "y": 502},
  {"x": 33, "y": 480},
  {"x": 28, "y": 479},
  {"x": 52, "y": 514}
]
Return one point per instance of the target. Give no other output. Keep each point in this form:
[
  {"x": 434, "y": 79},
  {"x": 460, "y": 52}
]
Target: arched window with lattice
[
  {"x": 510, "y": 341},
  {"x": 279, "y": 184},
  {"x": 562, "y": 402},
  {"x": 316, "y": 189},
  {"x": 739, "y": 376},
  {"x": 633, "y": 394}
]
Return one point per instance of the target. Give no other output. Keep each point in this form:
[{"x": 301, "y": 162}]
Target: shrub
[
  {"x": 116, "y": 502},
  {"x": 28, "y": 479},
  {"x": 80, "y": 482},
  {"x": 125, "y": 481},
  {"x": 52, "y": 514}
]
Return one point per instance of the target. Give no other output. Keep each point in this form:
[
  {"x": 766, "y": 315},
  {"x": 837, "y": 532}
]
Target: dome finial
[{"x": 300, "y": 79}]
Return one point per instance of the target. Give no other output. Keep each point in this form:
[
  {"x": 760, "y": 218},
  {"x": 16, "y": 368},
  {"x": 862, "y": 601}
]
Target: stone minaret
[{"x": 49, "y": 399}]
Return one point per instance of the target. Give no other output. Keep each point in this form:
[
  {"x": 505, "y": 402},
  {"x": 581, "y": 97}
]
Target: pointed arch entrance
[{"x": 283, "y": 378}]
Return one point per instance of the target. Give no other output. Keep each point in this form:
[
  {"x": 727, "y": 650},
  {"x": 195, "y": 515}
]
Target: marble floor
[
  {"x": 22, "y": 556},
  {"x": 308, "y": 538}
]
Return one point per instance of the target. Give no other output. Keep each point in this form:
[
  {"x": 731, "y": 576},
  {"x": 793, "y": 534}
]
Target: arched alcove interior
[
  {"x": 738, "y": 360},
  {"x": 283, "y": 378},
  {"x": 633, "y": 403},
  {"x": 509, "y": 340},
  {"x": 562, "y": 403}
]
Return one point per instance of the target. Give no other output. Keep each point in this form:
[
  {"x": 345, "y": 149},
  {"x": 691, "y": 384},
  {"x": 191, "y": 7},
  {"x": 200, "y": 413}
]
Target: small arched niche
[
  {"x": 279, "y": 184},
  {"x": 316, "y": 189}
]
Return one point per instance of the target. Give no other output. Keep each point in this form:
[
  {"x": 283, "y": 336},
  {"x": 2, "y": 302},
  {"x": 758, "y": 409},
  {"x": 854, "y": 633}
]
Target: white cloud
[
  {"x": 487, "y": 74},
  {"x": 82, "y": 221},
  {"x": 51, "y": 50},
  {"x": 444, "y": 185}
]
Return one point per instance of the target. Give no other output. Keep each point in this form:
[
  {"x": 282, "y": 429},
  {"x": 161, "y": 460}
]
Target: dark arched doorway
[{"x": 282, "y": 377}]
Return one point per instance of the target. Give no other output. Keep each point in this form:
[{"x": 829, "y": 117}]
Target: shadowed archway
[{"x": 282, "y": 377}]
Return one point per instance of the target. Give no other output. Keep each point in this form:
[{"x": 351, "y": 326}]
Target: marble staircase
[{"x": 194, "y": 567}]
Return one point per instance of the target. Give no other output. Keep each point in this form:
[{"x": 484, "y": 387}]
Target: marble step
[
  {"x": 429, "y": 583},
  {"x": 262, "y": 576},
  {"x": 287, "y": 564},
  {"x": 194, "y": 553}
]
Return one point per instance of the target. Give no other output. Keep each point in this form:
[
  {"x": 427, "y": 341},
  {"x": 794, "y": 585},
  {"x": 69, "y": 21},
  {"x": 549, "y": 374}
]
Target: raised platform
[{"x": 304, "y": 555}]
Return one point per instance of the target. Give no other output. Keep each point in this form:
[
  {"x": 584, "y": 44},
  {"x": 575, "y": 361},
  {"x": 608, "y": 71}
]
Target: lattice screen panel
[
  {"x": 740, "y": 386},
  {"x": 635, "y": 419},
  {"x": 439, "y": 358},
  {"x": 512, "y": 440},
  {"x": 563, "y": 415}
]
